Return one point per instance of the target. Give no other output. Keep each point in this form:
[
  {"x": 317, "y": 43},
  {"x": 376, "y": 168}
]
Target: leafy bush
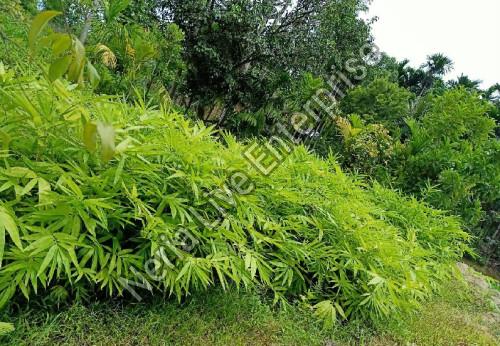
[
  {"x": 134, "y": 57},
  {"x": 94, "y": 191},
  {"x": 451, "y": 159},
  {"x": 368, "y": 149},
  {"x": 380, "y": 101},
  {"x": 447, "y": 153}
]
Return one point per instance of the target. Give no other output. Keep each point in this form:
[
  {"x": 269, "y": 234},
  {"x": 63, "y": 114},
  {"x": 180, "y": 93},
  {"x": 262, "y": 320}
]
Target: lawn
[{"x": 463, "y": 314}]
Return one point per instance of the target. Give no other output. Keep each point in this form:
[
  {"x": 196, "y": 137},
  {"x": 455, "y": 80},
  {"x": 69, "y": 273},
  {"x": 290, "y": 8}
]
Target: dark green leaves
[{"x": 114, "y": 7}]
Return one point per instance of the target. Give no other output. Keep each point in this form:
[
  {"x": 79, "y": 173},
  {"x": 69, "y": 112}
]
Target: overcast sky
[{"x": 466, "y": 31}]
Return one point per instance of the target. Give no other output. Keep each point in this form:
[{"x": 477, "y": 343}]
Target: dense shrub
[
  {"x": 447, "y": 153},
  {"x": 130, "y": 57},
  {"x": 91, "y": 188},
  {"x": 380, "y": 101},
  {"x": 368, "y": 149},
  {"x": 451, "y": 159}
]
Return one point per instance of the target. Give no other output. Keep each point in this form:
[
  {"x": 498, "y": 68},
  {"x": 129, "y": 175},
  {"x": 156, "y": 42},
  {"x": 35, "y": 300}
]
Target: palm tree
[
  {"x": 438, "y": 65},
  {"x": 465, "y": 82},
  {"x": 493, "y": 93},
  {"x": 435, "y": 68},
  {"x": 420, "y": 80}
]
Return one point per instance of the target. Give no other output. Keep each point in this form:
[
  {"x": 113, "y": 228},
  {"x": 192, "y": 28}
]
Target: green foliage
[
  {"x": 6, "y": 328},
  {"x": 426, "y": 78},
  {"x": 443, "y": 150},
  {"x": 89, "y": 194},
  {"x": 93, "y": 191},
  {"x": 368, "y": 149},
  {"x": 458, "y": 116},
  {"x": 380, "y": 101},
  {"x": 67, "y": 53},
  {"x": 452, "y": 148},
  {"x": 132, "y": 57},
  {"x": 459, "y": 314},
  {"x": 243, "y": 54},
  {"x": 13, "y": 33}
]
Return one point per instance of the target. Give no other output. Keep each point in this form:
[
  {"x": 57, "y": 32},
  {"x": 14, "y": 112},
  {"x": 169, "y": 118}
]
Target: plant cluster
[
  {"x": 95, "y": 188},
  {"x": 90, "y": 193},
  {"x": 441, "y": 148}
]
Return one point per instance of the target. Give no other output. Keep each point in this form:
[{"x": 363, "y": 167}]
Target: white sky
[{"x": 466, "y": 31}]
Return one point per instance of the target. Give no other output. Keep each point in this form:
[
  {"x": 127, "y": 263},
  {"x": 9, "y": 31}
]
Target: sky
[{"x": 466, "y": 31}]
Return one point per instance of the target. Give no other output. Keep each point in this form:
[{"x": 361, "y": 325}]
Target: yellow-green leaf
[
  {"x": 6, "y": 328},
  {"x": 90, "y": 136},
  {"x": 7, "y": 222},
  {"x": 20, "y": 172},
  {"x": 2, "y": 243},
  {"x": 22, "y": 101},
  {"x": 29, "y": 186},
  {"x": 61, "y": 43},
  {"x": 43, "y": 190},
  {"x": 59, "y": 67},
  {"x": 76, "y": 68},
  {"x": 377, "y": 280},
  {"x": 107, "y": 134},
  {"x": 39, "y": 22},
  {"x": 327, "y": 312},
  {"x": 6, "y": 139},
  {"x": 93, "y": 75}
]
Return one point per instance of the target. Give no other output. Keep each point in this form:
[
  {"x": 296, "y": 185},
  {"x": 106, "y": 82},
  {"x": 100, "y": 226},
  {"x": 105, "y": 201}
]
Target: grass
[
  {"x": 215, "y": 318},
  {"x": 459, "y": 316}
]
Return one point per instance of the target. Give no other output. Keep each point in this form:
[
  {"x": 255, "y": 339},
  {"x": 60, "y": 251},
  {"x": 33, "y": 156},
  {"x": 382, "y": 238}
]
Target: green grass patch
[{"x": 458, "y": 316}]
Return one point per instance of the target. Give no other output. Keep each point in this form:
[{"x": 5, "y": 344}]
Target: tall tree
[{"x": 240, "y": 51}]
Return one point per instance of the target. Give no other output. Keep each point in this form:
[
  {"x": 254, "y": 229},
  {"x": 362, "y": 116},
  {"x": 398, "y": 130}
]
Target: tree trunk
[{"x": 88, "y": 22}]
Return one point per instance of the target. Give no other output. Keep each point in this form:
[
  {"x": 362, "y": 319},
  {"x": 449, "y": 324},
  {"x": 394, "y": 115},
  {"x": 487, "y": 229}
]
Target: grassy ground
[{"x": 461, "y": 315}]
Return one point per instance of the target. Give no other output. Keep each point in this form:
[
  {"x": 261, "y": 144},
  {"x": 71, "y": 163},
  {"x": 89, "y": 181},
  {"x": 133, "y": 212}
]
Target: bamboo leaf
[
  {"x": 29, "y": 187},
  {"x": 59, "y": 67},
  {"x": 38, "y": 24},
  {"x": 2, "y": 243},
  {"x": 75, "y": 72},
  {"x": 7, "y": 222},
  {"x": 48, "y": 259},
  {"x": 6, "y": 139},
  {"x": 107, "y": 134},
  {"x": 20, "y": 172},
  {"x": 93, "y": 75},
  {"x": 90, "y": 136},
  {"x": 327, "y": 312},
  {"x": 6, "y": 328},
  {"x": 43, "y": 190}
]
